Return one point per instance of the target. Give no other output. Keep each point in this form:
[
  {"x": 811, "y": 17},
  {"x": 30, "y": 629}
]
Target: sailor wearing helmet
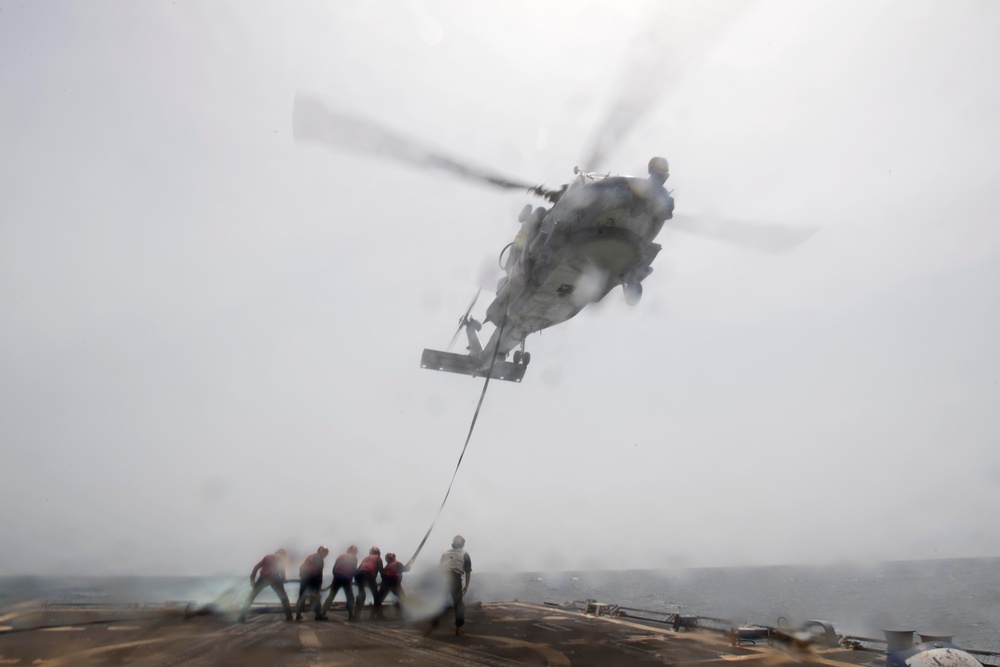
[
  {"x": 455, "y": 563},
  {"x": 310, "y": 583},
  {"x": 370, "y": 568}
]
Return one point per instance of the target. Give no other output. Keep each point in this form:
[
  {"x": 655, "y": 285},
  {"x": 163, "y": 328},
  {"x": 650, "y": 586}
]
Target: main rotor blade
[
  {"x": 315, "y": 122},
  {"x": 764, "y": 237},
  {"x": 672, "y": 43}
]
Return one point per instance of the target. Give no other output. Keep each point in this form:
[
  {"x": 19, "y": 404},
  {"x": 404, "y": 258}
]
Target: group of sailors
[{"x": 370, "y": 575}]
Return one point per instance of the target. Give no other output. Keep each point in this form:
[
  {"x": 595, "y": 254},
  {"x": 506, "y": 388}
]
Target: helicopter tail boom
[{"x": 467, "y": 365}]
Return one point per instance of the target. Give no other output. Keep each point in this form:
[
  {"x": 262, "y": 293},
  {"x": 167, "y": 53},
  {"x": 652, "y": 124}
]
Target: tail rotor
[{"x": 462, "y": 321}]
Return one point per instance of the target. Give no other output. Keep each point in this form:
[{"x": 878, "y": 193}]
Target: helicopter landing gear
[
  {"x": 522, "y": 357},
  {"x": 633, "y": 293}
]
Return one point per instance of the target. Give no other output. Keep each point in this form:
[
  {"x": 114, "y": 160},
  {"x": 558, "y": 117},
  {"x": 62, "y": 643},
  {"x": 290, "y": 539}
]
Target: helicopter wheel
[
  {"x": 633, "y": 293},
  {"x": 526, "y": 358},
  {"x": 517, "y": 357}
]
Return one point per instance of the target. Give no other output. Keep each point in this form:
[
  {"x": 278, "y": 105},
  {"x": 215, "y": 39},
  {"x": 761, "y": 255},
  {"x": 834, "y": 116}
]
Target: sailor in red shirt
[
  {"x": 310, "y": 583},
  {"x": 392, "y": 582},
  {"x": 272, "y": 573},
  {"x": 344, "y": 569},
  {"x": 369, "y": 569}
]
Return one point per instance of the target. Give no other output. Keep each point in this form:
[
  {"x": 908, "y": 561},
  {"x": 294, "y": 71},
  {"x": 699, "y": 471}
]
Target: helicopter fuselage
[{"x": 598, "y": 235}]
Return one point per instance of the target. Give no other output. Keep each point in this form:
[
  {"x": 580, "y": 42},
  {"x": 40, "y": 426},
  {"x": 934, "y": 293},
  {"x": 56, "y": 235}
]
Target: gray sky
[{"x": 210, "y": 337}]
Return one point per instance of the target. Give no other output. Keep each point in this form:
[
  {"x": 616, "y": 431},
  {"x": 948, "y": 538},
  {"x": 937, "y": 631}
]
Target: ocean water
[{"x": 960, "y": 597}]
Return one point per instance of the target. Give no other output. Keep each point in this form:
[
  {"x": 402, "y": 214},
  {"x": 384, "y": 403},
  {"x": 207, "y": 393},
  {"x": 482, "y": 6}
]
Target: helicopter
[{"x": 597, "y": 235}]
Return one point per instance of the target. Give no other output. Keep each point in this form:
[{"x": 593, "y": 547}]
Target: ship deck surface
[{"x": 496, "y": 634}]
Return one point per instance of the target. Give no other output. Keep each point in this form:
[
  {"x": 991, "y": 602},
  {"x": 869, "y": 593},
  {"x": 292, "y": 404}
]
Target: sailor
[
  {"x": 658, "y": 170},
  {"x": 272, "y": 573},
  {"x": 310, "y": 583},
  {"x": 344, "y": 569},
  {"x": 392, "y": 582},
  {"x": 661, "y": 201},
  {"x": 370, "y": 568},
  {"x": 455, "y": 562}
]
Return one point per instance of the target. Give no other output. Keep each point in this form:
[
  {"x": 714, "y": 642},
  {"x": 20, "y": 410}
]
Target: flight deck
[{"x": 496, "y": 634}]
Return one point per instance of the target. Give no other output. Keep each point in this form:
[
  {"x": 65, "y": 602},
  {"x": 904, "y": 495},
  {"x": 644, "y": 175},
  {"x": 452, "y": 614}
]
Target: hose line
[{"x": 472, "y": 427}]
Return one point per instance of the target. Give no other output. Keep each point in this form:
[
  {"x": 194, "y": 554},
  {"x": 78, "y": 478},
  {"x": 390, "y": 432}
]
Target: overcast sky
[{"x": 210, "y": 336}]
